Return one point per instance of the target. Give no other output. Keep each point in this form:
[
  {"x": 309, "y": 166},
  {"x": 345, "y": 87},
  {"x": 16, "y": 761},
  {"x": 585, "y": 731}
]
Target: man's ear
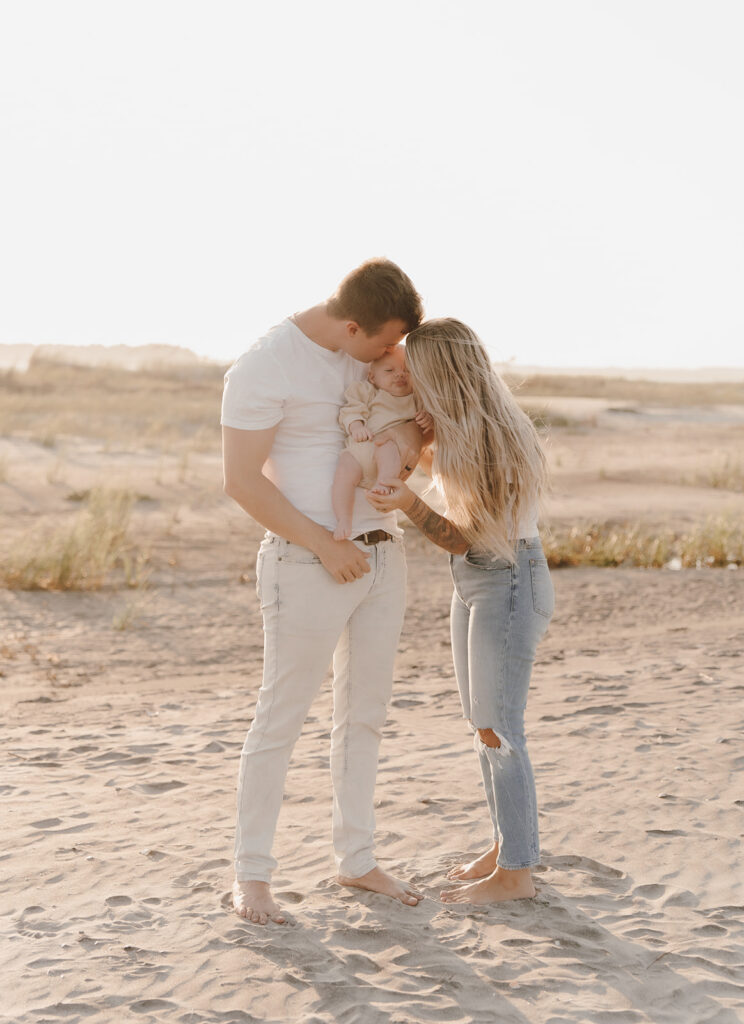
[{"x": 352, "y": 328}]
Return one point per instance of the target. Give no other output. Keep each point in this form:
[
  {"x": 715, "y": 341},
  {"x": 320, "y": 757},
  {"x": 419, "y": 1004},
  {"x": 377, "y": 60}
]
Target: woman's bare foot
[
  {"x": 254, "y": 902},
  {"x": 502, "y": 884},
  {"x": 481, "y": 867},
  {"x": 378, "y": 880}
]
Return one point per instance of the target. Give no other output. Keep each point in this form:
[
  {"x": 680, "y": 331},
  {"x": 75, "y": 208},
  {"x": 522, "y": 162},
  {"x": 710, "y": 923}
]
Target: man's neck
[{"x": 316, "y": 324}]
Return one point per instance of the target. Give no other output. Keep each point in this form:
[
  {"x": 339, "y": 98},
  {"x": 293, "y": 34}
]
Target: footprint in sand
[
  {"x": 156, "y": 788},
  {"x": 151, "y": 1005},
  {"x": 572, "y": 860},
  {"x": 212, "y": 865},
  {"x": 118, "y": 901},
  {"x": 650, "y": 892},
  {"x": 47, "y": 825},
  {"x": 289, "y": 896},
  {"x": 710, "y": 929}
]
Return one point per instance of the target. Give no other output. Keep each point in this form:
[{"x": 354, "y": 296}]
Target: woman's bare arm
[{"x": 434, "y": 527}]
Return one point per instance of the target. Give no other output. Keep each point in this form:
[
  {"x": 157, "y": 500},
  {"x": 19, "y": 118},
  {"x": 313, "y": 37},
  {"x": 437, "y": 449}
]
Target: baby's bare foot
[
  {"x": 481, "y": 867},
  {"x": 254, "y": 902},
  {"x": 381, "y": 489},
  {"x": 343, "y": 530},
  {"x": 378, "y": 880}
]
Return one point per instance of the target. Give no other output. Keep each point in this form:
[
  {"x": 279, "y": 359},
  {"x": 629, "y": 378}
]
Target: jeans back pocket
[{"x": 543, "y": 597}]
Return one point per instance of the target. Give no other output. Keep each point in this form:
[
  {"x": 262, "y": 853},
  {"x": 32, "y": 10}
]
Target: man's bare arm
[{"x": 244, "y": 455}]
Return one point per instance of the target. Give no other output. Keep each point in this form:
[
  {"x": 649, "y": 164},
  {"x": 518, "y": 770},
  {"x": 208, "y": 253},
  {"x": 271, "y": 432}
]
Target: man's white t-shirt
[{"x": 289, "y": 380}]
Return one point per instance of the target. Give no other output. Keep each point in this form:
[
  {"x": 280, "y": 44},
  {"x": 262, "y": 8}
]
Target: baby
[{"x": 383, "y": 403}]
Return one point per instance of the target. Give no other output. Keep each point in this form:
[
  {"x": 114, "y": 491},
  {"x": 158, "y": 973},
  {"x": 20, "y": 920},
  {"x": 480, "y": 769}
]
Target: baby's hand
[
  {"x": 424, "y": 420},
  {"x": 359, "y": 432}
]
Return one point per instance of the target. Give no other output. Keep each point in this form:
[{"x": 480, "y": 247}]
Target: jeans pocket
[
  {"x": 485, "y": 560},
  {"x": 295, "y": 554},
  {"x": 543, "y": 597}
]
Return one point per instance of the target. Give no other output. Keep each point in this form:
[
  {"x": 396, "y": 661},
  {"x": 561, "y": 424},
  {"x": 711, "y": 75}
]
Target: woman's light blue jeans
[{"x": 500, "y": 612}]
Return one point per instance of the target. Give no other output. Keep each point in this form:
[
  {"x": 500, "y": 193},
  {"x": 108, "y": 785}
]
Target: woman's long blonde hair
[{"x": 489, "y": 464}]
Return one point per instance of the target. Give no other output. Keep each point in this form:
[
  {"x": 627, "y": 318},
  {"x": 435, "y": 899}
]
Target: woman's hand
[{"x": 399, "y": 496}]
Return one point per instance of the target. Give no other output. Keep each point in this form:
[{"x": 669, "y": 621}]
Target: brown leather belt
[{"x": 373, "y": 537}]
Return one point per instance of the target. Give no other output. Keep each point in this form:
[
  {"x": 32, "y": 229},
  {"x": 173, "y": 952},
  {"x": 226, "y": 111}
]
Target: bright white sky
[{"x": 564, "y": 176}]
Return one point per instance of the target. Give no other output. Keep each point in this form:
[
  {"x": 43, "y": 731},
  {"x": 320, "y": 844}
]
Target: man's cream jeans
[{"x": 309, "y": 619}]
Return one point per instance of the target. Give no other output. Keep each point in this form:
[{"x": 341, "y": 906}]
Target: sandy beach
[{"x": 124, "y": 710}]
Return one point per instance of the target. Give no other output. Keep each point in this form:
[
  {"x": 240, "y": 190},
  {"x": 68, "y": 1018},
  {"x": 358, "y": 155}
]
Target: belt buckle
[{"x": 365, "y": 538}]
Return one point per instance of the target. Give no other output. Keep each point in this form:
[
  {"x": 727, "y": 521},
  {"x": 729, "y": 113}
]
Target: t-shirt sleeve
[{"x": 255, "y": 391}]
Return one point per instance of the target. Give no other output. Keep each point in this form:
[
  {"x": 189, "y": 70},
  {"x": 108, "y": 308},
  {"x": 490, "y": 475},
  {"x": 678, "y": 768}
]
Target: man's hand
[
  {"x": 359, "y": 431},
  {"x": 245, "y": 453},
  {"x": 343, "y": 560}
]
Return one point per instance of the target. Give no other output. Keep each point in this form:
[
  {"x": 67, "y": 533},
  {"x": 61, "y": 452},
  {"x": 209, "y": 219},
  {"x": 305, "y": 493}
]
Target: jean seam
[
  {"x": 529, "y": 789},
  {"x": 454, "y": 581},
  {"x": 275, "y": 657},
  {"x": 348, "y": 705},
  {"x": 514, "y": 595}
]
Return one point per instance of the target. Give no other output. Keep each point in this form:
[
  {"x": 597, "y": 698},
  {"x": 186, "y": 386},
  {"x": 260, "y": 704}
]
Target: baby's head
[{"x": 389, "y": 373}]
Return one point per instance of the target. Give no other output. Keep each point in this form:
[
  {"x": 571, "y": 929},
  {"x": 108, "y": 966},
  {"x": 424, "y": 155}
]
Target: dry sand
[{"x": 121, "y": 748}]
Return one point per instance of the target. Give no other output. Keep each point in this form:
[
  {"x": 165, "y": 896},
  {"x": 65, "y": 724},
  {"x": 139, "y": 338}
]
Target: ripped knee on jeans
[
  {"x": 492, "y": 739},
  {"x": 489, "y": 737}
]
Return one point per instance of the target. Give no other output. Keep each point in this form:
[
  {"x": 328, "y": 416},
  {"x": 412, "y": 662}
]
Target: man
[{"x": 320, "y": 598}]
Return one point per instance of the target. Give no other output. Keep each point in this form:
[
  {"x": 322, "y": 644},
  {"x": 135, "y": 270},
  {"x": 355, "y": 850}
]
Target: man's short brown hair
[{"x": 377, "y": 291}]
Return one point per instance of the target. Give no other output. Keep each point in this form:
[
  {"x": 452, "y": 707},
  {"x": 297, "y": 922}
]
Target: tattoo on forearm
[{"x": 436, "y": 527}]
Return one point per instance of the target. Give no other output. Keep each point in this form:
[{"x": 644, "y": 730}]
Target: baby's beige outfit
[{"x": 379, "y": 410}]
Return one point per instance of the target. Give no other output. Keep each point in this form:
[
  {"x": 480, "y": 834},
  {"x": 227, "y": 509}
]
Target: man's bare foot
[
  {"x": 500, "y": 885},
  {"x": 481, "y": 867},
  {"x": 343, "y": 530},
  {"x": 254, "y": 902},
  {"x": 378, "y": 880}
]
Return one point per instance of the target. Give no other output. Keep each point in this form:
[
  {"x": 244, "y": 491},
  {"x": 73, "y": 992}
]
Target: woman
[{"x": 490, "y": 468}]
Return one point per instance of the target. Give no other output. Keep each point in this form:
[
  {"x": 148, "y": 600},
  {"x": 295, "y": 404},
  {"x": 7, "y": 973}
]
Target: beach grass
[
  {"x": 163, "y": 407},
  {"x": 716, "y": 541},
  {"x": 82, "y": 554},
  {"x": 178, "y": 406},
  {"x": 672, "y": 394}
]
